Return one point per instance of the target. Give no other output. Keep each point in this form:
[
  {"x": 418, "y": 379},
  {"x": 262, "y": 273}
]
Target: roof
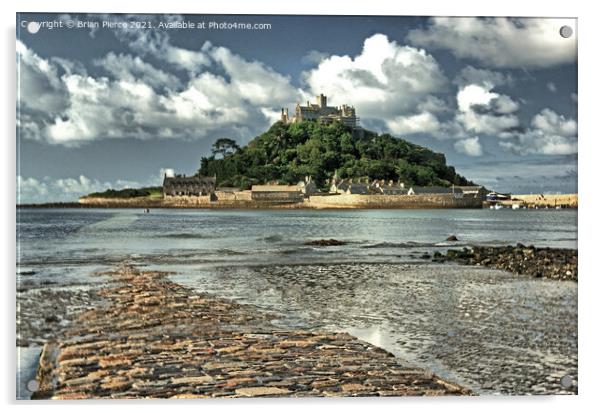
[
  {"x": 432, "y": 190},
  {"x": 471, "y": 188},
  {"x": 275, "y": 188},
  {"x": 170, "y": 180},
  {"x": 358, "y": 188}
]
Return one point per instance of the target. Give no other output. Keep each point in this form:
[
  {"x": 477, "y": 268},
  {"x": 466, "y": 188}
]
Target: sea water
[{"x": 490, "y": 330}]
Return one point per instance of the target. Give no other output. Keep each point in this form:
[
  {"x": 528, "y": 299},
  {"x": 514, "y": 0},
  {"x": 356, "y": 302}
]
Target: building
[
  {"x": 363, "y": 186},
  {"x": 389, "y": 188},
  {"x": 474, "y": 191},
  {"x": 434, "y": 190},
  {"x": 320, "y": 111},
  {"x": 181, "y": 185},
  {"x": 308, "y": 186},
  {"x": 284, "y": 193},
  {"x": 276, "y": 193}
]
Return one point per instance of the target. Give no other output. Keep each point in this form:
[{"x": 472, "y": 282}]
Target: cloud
[
  {"x": 386, "y": 81},
  {"x": 34, "y": 190},
  {"x": 39, "y": 84},
  {"x": 424, "y": 122},
  {"x": 470, "y": 75},
  {"x": 470, "y": 147},
  {"x": 157, "y": 42},
  {"x": 480, "y": 110},
  {"x": 550, "y": 122},
  {"x": 524, "y": 176},
  {"x": 69, "y": 189},
  {"x": 132, "y": 69},
  {"x": 551, "y": 87},
  {"x": 500, "y": 42},
  {"x": 137, "y": 100},
  {"x": 549, "y": 134}
]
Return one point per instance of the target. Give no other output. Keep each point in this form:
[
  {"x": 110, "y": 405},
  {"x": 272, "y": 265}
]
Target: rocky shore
[
  {"x": 553, "y": 263},
  {"x": 153, "y": 338}
]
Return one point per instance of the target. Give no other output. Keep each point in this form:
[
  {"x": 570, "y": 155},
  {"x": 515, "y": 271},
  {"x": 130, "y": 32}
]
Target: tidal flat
[{"x": 485, "y": 329}]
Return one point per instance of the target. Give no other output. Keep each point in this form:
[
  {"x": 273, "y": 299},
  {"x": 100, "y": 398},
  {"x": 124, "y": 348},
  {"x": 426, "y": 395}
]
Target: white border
[{"x": 589, "y": 188}]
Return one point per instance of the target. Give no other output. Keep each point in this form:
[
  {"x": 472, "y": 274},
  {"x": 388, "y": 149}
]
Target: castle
[{"x": 320, "y": 111}]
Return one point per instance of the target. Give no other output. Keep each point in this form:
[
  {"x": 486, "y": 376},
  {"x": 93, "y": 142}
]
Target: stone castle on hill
[{"x": 320, "y": 111}]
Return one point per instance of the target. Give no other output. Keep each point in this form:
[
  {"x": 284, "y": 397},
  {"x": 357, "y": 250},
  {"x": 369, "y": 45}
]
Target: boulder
[{"x": 325, "y": 242}]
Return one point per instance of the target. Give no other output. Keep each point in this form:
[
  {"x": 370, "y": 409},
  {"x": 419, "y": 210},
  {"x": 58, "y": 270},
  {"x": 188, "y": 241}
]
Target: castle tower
[
  {"x": 321, "y": 100},
  {"x": 284, "y": 115}
]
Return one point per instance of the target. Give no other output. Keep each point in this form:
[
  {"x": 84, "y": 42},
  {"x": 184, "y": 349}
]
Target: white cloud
[
  {"x": 482, "y": 111},
  {"x": 386, "y": 81},
  {"x": 549, "y": 134},
  {"x": 424, "y": 122},
  {"x": 69, "y": 189},
  {"x": 550, "y": 122},
  {"x": 470, "y": 146},
  {"x": 500, "y": 42},
  {"x": 39, "y": 84},
  {"x": 551, "y": 87},
  {"x": 157, "y": 43},
  {"x": 34, "y": 190},
  {"x": 132, "y": 69},
  {"x": 138, "y": 100}
]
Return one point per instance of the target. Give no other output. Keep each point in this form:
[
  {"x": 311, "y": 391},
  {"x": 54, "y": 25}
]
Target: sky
[{"x": 118, "y": 99}]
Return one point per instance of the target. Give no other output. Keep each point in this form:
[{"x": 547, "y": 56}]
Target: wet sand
[{"x": 150, "y": 337}]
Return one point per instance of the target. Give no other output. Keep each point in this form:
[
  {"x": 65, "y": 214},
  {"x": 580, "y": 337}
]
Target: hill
[{"x": 288, "y": 152}]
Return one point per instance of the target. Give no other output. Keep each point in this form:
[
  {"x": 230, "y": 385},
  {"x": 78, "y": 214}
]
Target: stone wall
[
  {"x": 280, "y": 196},
  {"x": 392, "y": 201},
  {"x": 233, "y": 196},
  {"x": 243, "y": 200}
]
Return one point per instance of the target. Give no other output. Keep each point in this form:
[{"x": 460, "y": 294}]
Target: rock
[
  {"x": 27, "y": 272},
  {"x": 325, "y": 242},
  {"x": 353, "y": 387},
  {"x": 425, "y": 256},
  {"x": 192, "y": 380},
  {"x": 452, "y": 238},
  {"x": 553, "y": 263},
  {"x": 261, "y": 391}
]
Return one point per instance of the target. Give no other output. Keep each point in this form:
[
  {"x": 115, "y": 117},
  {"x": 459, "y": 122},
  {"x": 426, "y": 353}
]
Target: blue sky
[{"x": 113, "y": 107}]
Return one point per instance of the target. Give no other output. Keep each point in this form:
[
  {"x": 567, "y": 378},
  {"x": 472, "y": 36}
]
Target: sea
[{"x": 493, "y": 331}]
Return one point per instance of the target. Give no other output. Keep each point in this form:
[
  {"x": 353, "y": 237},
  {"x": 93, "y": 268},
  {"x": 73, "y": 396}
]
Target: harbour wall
[
  {"x": 343, "y": 201},
  {"x": 393, "y": 201}
]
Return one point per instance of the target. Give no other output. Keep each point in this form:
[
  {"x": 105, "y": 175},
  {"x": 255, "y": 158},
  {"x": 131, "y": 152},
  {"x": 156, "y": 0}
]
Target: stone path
[{"x": 157, "y": 339}]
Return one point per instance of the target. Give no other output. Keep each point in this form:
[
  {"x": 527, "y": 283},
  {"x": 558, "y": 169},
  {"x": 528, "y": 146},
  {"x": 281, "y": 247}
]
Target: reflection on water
[{"x": 487, "y": 329}]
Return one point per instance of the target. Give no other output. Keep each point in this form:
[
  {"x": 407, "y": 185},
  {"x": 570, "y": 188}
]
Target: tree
[
  {"x": 224, "y": 147},
  {"x": 289, "y": 152}
]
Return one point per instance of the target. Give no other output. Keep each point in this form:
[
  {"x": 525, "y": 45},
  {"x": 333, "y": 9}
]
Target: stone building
[
  {"x": 436, "y": 190},
  {"x": 284, "y": 193},
  {"x": 389, "y": 188},
  {"x": 320, "y": 111},
  {"x": 181, "y": 185},
  {"x": 276, "y": 193}
]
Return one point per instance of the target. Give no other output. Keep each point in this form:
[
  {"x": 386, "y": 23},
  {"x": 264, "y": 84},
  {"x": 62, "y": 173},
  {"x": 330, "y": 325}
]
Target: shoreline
[{"x": 158, "y": 339}]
